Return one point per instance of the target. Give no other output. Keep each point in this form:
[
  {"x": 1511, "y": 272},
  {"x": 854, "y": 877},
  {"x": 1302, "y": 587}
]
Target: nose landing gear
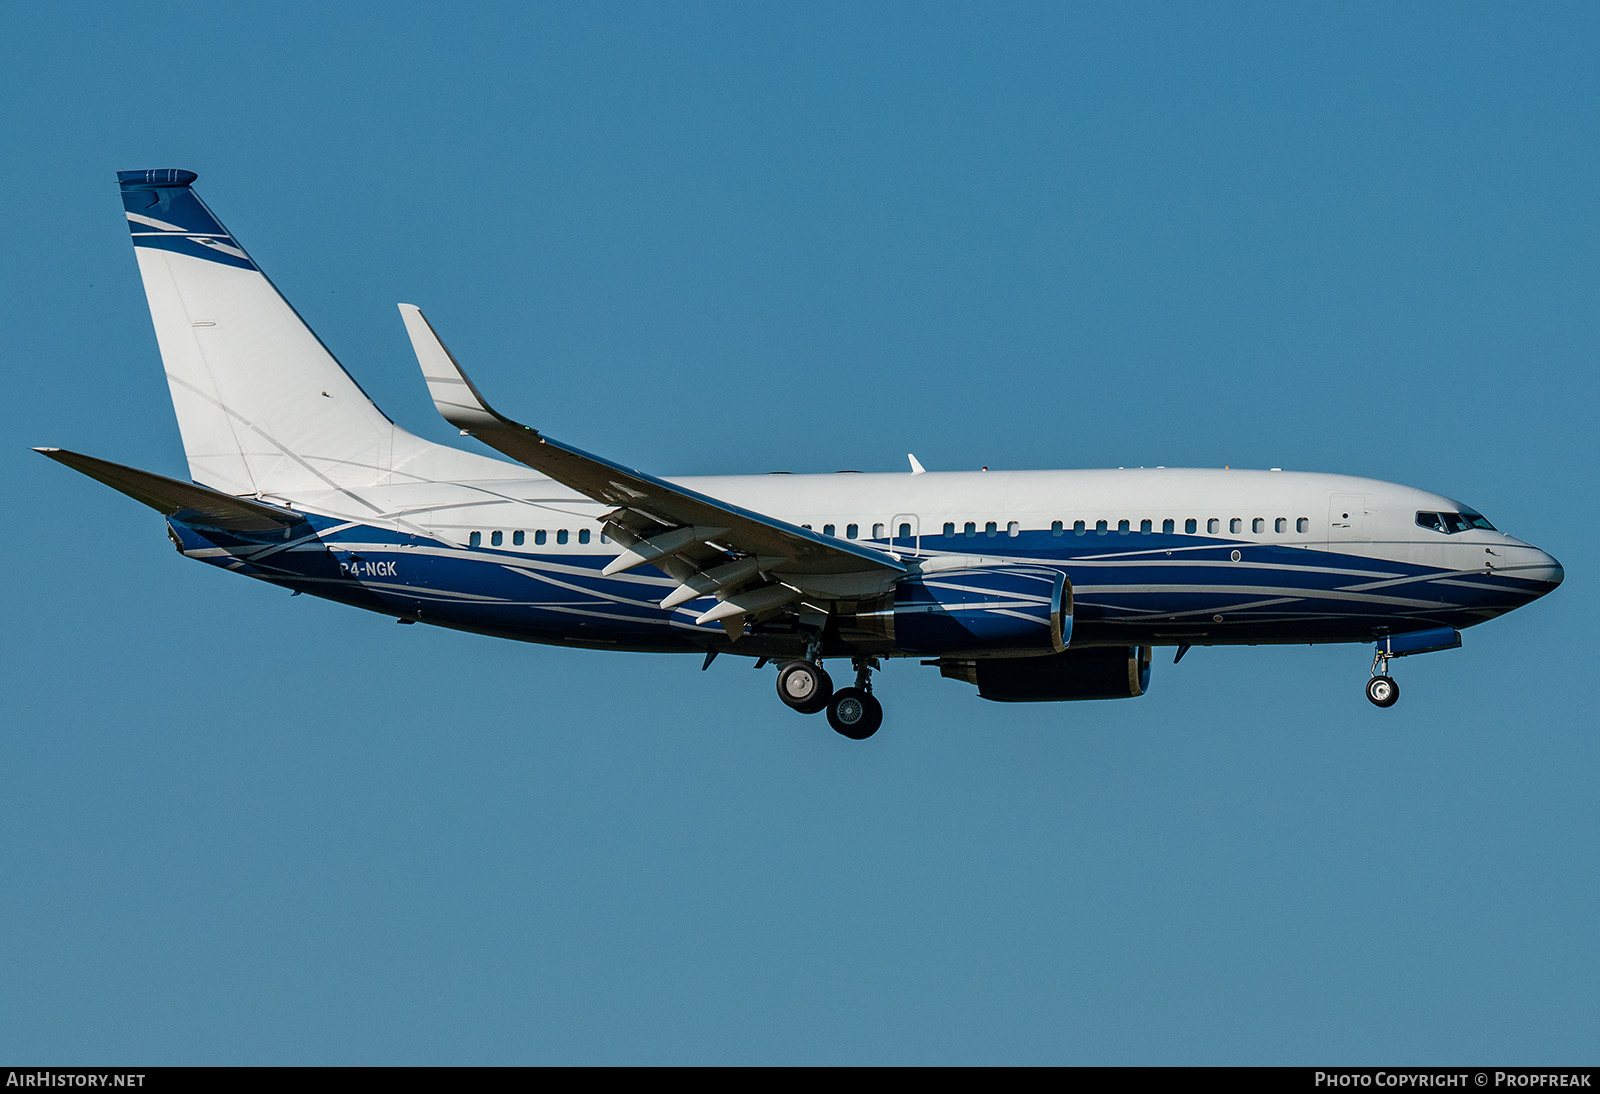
[{"x": 1382, "y": 689}]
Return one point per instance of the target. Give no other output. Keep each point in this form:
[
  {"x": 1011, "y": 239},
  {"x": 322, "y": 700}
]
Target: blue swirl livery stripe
[{"x": 165, "y": 214}]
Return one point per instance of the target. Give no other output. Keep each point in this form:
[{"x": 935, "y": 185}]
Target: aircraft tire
[
  {"x": 854, "y": 713},
  {"x": 804, "y": 687},
  {"x": 1383, "y": 691}
]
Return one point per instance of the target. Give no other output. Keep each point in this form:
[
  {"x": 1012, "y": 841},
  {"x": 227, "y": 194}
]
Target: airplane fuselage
[{"x": 1153, "y": 556}]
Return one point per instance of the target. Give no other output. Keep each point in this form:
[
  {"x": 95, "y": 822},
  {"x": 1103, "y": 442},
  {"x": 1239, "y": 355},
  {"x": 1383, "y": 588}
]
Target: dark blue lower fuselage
[{"x": 1127, "y": 589}]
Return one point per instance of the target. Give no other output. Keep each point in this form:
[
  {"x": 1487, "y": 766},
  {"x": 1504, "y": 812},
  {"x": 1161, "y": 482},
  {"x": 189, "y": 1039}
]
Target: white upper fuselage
[{"x": 1281, "y": 508}]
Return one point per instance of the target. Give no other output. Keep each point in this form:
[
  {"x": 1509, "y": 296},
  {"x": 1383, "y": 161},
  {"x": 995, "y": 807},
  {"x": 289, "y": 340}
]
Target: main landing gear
[
  {"x": 853, "y": 712},
  {"x": 1382, "y": 689},
  {"x": 804, "y": 686}
]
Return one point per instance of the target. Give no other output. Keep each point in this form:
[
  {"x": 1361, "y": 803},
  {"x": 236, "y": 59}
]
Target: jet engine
[
  {"x": 985, "y": 610},
  {"x": 1094, "y": 672}
]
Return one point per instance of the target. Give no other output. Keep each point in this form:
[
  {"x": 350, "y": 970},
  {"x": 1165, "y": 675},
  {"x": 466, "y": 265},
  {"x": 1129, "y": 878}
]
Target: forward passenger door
[{"x": 1347, "y": 514}]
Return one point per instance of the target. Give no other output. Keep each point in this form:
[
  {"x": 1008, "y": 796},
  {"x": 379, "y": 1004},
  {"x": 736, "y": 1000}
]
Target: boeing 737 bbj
[{"x": 1031, "y": 585}]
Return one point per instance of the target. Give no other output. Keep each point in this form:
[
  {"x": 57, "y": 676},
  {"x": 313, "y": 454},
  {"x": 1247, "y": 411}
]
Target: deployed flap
[
  {"x": 803, "y": 551},
  {"x": 169, "y": 497}
]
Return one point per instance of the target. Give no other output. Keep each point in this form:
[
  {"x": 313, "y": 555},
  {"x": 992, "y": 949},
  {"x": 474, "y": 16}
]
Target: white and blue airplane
[{"x": 1031, "y": 585}]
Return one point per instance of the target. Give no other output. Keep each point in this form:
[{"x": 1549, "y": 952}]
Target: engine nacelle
[
  {"x": 1095, "y": 672},
  {"x": 1025, "y": 610}
]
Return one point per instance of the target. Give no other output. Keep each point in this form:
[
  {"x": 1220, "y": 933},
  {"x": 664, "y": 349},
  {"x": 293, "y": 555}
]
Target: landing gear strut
[
  {"x": 1382, "y": 689},
  {"x": 853, "y": 711}
]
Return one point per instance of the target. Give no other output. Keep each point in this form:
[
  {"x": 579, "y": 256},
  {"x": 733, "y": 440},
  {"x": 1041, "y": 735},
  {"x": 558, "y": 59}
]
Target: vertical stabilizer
[{"x": 263, "y": 407}]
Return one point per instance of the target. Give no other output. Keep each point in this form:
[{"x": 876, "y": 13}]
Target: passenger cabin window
[
  {"x": 561, "y": 536},
  {"x": 827, "y": 529},
  {"x": 1235, "y": 526},
  {"x": 851, "y": 531},
  {"x": 905, "y": 531},
  {"x": 1013, "y": 529},
  {"x": 990, "y": 529},
  {"x": 877, "y": 531},
  {"x": 583, "y": 535},
  {"x": 475, "y": 539},
  {"x": 1100, "y": 527},
  {"x": 1144, "y": 527},
  {"x": 1077, "y": 528},
  {"x": 1303, "y": 524},
  {"x": 1213, "y": 525},
  {"x": 539, "y": 537},
  {"x": 1258, "y": 525},
  {"x": 1168, "y": 526},
  {"x": 496, "y": 538},
  {"x": 1122, "y": 527},
  {"x": 1055, "y": 528},
  {"x": 1281, "y": 525},
  {"x": 1191, "y": 526},
  {"x": 969, "y": 529},
  {"x": 517, "y": 538},
  {"x": 949, "y": 528}
]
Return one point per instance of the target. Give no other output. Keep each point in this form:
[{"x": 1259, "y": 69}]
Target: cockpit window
[{"x": 1451, "y": 523}]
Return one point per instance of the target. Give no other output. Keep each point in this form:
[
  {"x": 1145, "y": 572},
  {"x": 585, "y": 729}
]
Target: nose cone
[
  {"x": 1543, "y": 570},
  {"x": 1552, "y": 572}
]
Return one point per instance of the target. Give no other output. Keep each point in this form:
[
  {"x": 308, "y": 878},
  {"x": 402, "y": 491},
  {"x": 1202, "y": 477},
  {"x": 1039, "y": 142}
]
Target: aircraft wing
[{"x": 688, "y": 535}]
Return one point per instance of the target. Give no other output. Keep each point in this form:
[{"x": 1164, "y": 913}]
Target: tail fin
[{"x": 263, "y": 407}]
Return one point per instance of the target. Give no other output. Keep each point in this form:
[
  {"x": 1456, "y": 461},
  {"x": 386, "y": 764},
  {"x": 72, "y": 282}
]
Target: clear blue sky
[{"x": 236, "y": 827}]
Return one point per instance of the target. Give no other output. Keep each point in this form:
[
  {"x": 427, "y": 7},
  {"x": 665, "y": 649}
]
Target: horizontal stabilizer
[{"x": 191, "y": 503}]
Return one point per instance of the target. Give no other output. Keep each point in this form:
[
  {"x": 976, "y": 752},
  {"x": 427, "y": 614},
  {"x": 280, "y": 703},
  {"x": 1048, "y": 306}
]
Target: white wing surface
[{"x": 706, "y": 544}]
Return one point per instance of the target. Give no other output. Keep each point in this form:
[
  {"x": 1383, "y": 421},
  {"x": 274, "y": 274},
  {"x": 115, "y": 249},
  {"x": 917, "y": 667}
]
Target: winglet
[
  {"x": 454, "y": 396},
  {"x": 916, "y": 468},
  {"x": 658, "y": 501}
]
